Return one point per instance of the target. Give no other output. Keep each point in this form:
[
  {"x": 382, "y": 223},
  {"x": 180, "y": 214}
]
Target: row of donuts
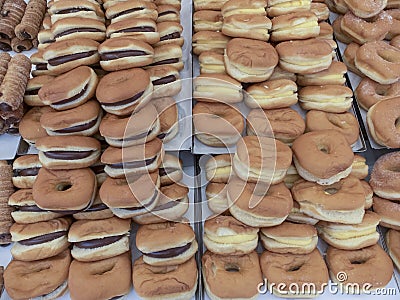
[
  {"x": 290, "y": 241},
  {"x": 14, "y": 75},
  {"x": 364, "y": 27},
  {"x": 20, "y": 23}
]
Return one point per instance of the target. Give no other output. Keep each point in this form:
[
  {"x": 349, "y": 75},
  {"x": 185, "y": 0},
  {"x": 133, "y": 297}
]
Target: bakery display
[{"x": 7, "y": 189}]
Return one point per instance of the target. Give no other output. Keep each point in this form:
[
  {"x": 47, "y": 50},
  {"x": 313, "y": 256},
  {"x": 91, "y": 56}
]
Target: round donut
[
  {"x": 217, "y": 124},
  {"x": 395, "y": 28},
  {"x": 385, "y": 176},
  {"x": 286, "y": 124},
  {"x": 345, "y": 123},
  {"x": 339, "y": 34},
  {"x": 231, "y": 277},
  {"x": 369, "y": 92},
  {"x": 270, "y": 209},
  {"x": 393, "y": 243},
  {"x": 349, "y": 56},
  {"x": 46, "y": 278},
  {"x": 379, "y": 61},
  {"x": 261, "y": 159},
  {"x": 362, "y": 31},
  {"x": 322, "y": 156},
  {"x": 383, "y": 121},
  {"x": 370, "y": 265},
  {"x": 169, "y": 282},
  {"x": 104, "y": 279},
  {"x": 341, "y": 202},
  {"x": 367, "y": 8},
  {"x": 299, "y": 269},
  {"x": 68, "y": 191},
  {"x": 389, "y": 211}
]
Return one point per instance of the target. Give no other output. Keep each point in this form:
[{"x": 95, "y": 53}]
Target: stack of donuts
[
  {"x": 371, "y": 30},
  {"x": 20, "y": 24}
]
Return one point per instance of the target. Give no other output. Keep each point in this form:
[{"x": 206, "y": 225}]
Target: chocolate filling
[
  {"x": 144, "y": 206},
  {"x": 5, "y": 107},
  {"x": 165, "y": 62},
  {"x": 116, "y": 297},
  {"x": 97, "y": 207},
  {"x": 70, "y": 57},
  {"x": 30, "y": 208},
  {"x": 77, "y": 128},
  {"x": 167, "y": 205},
  {"x": 5, "y": 47},
  {"x": 165, "y": 171},
  {"x": 68, "y": 155},
  {"x": 73, "y": 98},
  {"x": 136, "y": 137},
  {"x": 5, "y": 240},
  {"x": 128, "y": 11},
  {"x": 168, "y": 253},
  {"x": 161, "y": 136},
  {"x": 166, "y": 13},
  {"x": 164, "y": 80},
  {"x": 126, "y": 101},
  {"x": 41, "y": 67},
  {"x": 26, "y": 172},
  {"x": 96, "y": 243},
  {"x": 137, "y": 29},
  {"x": 76, "y": 30},
  {"x": 121, "y": 54},
  {"x": 26, "y": 35},
  {"x": 43, "y": 238},
  {"x": 73, "y": 10},
  {"x": 133, "y": 164},
  {"x": 33, "y": 92},
  {"x": 98, "y": 169},
  {"x": 171, "y": 36}
]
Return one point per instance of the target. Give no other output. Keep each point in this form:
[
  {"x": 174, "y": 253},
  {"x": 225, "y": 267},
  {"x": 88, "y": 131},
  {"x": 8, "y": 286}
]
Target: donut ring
[
  {"x": 385, "y": 176},
  {"x": 217, "y": 124},
  {"x": 322, "y": 156},
  {"x": 362, "y": 31},
  {"x": 366, "y": 9},
  {"x": 370, "y": 92},
  {"x": 345, "y": 123},
  {"x": 102, "y": 279},
  {"x": 379, "y": 61},
  {"x": 292, "y": 269},
  {"x": 64, "y": 190},
  {"x": 389, "y": 211},
  {"x": 231, "y": 277},
  {"x": 24, "y": 280},
  {"x": 395, "y": 28},
  {"x": 367, "y": 265},
  {"x": 383, "y": 121}
]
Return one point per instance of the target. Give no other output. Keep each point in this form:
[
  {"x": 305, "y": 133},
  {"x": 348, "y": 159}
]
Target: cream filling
[
  {"x": 344, "y": 235},
  {"x": 233, "y": 239},
  {"x": 214, "y": 89},
  {"x": 307, "y": 63},
  {"x": 299, "y": 26},
  {"x": 245, "y": 11},
  {"x": 222, "y": 171},
  {"x": 297, "y": 4},
  {"x": 261, "y": 97},
  {"x": 326, "y": 100},
  {"x": 213, "y": 67},
  {"x": 292, "y": 241}
]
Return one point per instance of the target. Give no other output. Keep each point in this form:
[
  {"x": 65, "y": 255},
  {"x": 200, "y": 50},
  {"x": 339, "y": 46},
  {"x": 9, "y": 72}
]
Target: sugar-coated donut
[
  {"x": 289, "y": 238},
  {"x": 104, "y": 279},
  {"x": 322, "y": 156},
  {"x": 366, "y": 9},
  {"x": 395, "y": 42},
  {"x": 383, "y": 121},
  {"x": 395, "y": 28},
  {"x": 45, "y": 278},
  {"x": 66, "y": 191},
  {"x": 385, "y": 176},
  {"x": 351, "y": 236},
  {"x": 227, "y": 236},
  {"x": 341, "y": 202},
  {"x": 254, "y": 206},
  {"x": 231, "y": 276},
  {"x": 389, "y": 211},
  {"x": 285, "y": 124},
  {"x": 340, "y": 35},
  {"x": 369, "y": 92},
  {"x": 261, "y": 159},
  {"x": 370, "y": 265},
  {"x": 379, "y": 61},
  {"x": 169, "y": 282},
  {"x": 337, "y": 6},
  {"x": 393, "y": 243},
  {"x": 349, "y": 56},
  {"x": 345, "y": 123},
  {"x": 290, "y": 269}
]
